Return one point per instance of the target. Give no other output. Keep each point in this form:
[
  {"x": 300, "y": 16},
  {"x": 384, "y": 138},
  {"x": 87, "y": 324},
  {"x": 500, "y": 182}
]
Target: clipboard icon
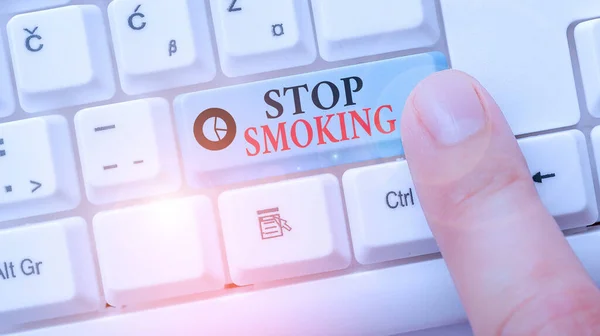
[{"x": 271, "y": 224}]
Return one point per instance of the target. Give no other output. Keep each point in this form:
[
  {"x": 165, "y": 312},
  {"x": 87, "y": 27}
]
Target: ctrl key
[{"x": 46, "y": 271}]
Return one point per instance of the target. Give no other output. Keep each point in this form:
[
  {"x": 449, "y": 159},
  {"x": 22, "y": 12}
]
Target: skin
[{"x": 513, "y": 268}]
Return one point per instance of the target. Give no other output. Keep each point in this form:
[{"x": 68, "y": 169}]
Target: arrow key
[{"x": 561, "y": 171}]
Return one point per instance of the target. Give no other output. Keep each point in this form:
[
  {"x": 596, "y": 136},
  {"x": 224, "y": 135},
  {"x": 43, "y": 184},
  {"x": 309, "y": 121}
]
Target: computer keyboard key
[
  {"x": 38, "y": 174},
  {"x": 595, "y": 137},
  {"x": 161, "y": 44},
  {"x": 385, "y": 215},
  {"x": 298, "y": 123},
  {"x": 127, "y": 150},
  {"x": 7, "y": 101},
  {"x": 381, "y": 301},
  {"x": 15, "y": 6},
  {"x": 263, "y": 35},
  {"x": 47, "y": 271},
  {"x": 60, "y": 58},
  {"x": 561, "y": 171},
  {"x": 519, "y": 51},
  {"x": 587, "y": 41},
  {"x": 283, "y": 230},
  {"x": 355, "y": 28},
  {"x": 158, "y": 251}
]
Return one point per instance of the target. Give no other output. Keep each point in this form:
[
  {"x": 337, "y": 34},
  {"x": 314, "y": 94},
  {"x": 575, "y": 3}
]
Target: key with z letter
[{"x": 262, "y": 35}]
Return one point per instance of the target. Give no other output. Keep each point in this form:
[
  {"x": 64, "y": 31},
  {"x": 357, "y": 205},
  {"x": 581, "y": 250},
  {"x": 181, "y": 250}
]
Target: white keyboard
[{"x": 226, "y": 167}]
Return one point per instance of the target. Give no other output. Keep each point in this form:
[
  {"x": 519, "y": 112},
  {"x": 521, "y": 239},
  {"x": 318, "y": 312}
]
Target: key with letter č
[{"x": 60, "y": 58}]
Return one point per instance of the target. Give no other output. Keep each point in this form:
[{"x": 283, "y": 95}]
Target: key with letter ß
[{"x": 161, "y": 44}]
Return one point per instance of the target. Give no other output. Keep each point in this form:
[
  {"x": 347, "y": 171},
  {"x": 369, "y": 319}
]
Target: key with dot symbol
[
  {"x": 60, "y": 58},
  {"x": 37, "y": 168},
  {"x": 263, "y": 35}
]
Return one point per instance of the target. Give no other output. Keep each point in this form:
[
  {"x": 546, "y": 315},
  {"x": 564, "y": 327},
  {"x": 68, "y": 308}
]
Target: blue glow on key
[{"x": 298, "y": 123}]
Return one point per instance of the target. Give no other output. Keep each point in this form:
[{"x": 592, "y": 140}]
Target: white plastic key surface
[
  {"x": 385, "y": 301},
  {"x": 127, "y": 150},
  {"x": 46, "y": 271},
  {"x": 7, "y": 102},
  {"x": 595, "y": 136},
  {"x": 14, "y": 6},
  {"x": 269, "y": 234},
  {"x": 60, "y": 58},
  {"x": 587, "y": 40},
  {"x": 161, "y": 44},
  {"x": 37, "y": 169},
  {"x": 354, "y": 28},
  {"x": 263, "y": 35},
  {"x": 387, "y": 222},
  {"x": 385, "y": 215},
  {"x": 559, "y": 164},
  {"x": 519, "y": 51},
  {"x": 157, "y": 251}
]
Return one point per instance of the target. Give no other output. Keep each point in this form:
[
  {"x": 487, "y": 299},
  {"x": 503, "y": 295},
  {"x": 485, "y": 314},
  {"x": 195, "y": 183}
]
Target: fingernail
[{"x": 449, "y": 107}]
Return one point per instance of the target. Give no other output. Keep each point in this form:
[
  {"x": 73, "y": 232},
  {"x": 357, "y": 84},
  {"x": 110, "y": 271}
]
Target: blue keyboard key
[{"x": 298, "y": 123}]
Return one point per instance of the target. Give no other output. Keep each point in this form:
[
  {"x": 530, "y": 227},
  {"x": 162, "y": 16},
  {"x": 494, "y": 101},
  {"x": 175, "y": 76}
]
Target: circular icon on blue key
[{"x": 215, "y": 129}]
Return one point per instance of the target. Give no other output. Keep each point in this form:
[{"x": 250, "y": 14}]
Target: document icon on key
[{"x": 271, "y": 224}]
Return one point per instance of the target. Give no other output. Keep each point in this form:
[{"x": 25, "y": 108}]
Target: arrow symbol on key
[
  {"x": 539, "y": 178},
  {"x": 37, "y": 185}
]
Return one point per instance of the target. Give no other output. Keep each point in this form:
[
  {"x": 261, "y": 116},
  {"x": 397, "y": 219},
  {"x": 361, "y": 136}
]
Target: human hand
[{"x": 514, "y": 270}]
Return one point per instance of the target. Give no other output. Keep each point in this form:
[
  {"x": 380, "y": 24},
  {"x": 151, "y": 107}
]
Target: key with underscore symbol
[{"x": 127, "y": 150}]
